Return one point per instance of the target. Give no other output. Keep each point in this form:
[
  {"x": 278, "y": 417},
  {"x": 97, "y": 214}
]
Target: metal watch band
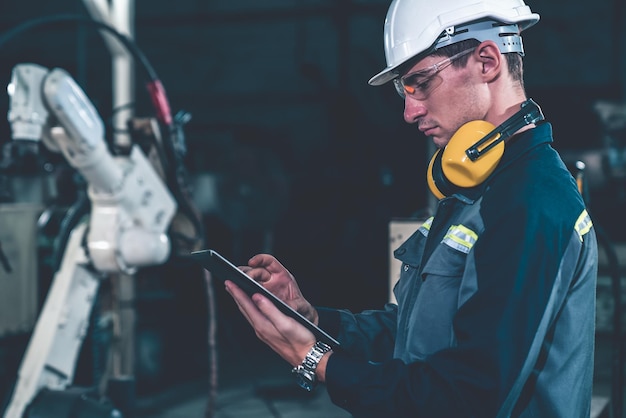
[
  {"x": 314, "y": 355},
  {"x": 306, "y": 370}
]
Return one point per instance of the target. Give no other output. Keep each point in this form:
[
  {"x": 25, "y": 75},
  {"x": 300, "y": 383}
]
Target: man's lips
[{"x": 427, "y": 129}]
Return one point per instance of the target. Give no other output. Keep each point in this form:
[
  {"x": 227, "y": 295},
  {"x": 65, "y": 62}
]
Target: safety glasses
[{"x": 420, "y": 84}]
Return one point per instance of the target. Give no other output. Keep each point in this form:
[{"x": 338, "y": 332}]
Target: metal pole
[{"x": 120, "y": 15}]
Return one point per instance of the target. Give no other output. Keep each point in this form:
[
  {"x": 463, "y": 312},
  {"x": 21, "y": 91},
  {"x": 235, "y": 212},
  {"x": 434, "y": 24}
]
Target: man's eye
[
  {"x": 418, "y": 82},
  {"x": 422, "y": 85}
]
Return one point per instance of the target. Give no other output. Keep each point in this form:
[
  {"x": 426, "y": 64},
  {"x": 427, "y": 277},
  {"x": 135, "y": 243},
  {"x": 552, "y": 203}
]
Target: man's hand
[
  {"x": 270, "y": 273},
  {"x": 283, "y": 334}
]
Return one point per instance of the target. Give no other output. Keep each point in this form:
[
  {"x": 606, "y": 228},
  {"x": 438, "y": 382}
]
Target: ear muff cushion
[
  {"x": 437, "y": 182},
  {"x": 457, "y": 167}
]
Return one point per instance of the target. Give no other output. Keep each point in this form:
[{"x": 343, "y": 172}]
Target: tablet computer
[{"x": 224, "y": 270}]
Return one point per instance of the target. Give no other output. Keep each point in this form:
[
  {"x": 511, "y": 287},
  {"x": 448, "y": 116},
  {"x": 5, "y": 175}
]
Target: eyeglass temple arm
[{"x": 529, "y": 113}]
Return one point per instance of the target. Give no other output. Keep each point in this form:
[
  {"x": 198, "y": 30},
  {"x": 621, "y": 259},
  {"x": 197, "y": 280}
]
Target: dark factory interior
[{"x": 260, "y": 120}]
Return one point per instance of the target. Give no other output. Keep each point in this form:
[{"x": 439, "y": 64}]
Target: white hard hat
[{"x": 415, "y": 27}]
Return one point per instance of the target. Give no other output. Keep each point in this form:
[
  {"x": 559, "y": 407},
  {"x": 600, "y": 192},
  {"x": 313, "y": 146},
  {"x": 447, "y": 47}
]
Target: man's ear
[{"x": 491, "y": 60}]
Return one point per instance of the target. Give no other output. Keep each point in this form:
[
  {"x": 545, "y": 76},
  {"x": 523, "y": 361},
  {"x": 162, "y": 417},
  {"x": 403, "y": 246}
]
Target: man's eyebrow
[{"x": 420, "y": 73}]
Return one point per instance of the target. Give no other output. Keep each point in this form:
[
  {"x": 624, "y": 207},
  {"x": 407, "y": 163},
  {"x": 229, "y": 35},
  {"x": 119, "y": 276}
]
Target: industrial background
[{"x": 287, "y": 150}]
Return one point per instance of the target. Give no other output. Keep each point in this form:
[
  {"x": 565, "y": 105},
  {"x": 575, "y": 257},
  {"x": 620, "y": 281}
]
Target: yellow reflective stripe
[
  {"x": 460, "y": 238},
  {"x": 425, "y": 227},
  {"x": 583, "y": 224}
]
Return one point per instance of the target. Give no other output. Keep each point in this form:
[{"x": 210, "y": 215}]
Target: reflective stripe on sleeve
[{"x": 583, "y": 224}]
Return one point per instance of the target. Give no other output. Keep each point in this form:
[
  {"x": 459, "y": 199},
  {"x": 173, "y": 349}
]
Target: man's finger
[
  {"x": 268, "y": 262},
  {"x": 258, "y": 274},
  {"x": 279, "y": 320},
  {"x": 246, "y": 306}
]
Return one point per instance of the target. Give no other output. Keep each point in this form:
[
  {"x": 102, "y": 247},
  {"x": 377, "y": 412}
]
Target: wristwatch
[{"x": 305, "y": 372}]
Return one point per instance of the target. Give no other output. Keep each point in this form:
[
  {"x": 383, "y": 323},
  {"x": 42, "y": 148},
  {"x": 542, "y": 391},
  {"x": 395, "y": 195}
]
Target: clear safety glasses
[{"x": 421, "y": 83}]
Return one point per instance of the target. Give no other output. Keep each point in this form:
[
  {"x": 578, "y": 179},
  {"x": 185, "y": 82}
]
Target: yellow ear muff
[
  {"x": 474, "y": 151},
  {"x": 430, "y": 176},
  {"x": 451, "y": 169},
  {"x": 458, "y": 168}
]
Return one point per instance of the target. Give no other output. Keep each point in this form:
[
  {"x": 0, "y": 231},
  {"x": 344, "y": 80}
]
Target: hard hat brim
[{"x": 382, "y": 77}]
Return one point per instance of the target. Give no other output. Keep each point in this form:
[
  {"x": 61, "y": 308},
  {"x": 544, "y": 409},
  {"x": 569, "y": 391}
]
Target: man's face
[{"x": 450, "y": 97}]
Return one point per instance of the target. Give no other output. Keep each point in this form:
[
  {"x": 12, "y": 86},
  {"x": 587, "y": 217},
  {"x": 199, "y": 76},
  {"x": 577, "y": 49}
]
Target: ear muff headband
[{"x": 474, "y": 152}]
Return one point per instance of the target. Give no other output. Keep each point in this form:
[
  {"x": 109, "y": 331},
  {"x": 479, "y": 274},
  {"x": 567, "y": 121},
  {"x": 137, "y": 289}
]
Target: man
[{"x": 496, "y": 297}]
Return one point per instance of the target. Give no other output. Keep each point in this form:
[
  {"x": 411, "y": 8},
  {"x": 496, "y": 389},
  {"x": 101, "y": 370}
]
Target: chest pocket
[
  {"x": 430, "y": 327},
  {"x": 448, "y": 259}
]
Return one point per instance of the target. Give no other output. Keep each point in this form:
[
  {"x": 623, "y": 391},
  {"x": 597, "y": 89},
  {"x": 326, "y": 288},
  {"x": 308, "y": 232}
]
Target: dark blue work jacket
[{"x": 495, "y": 311}]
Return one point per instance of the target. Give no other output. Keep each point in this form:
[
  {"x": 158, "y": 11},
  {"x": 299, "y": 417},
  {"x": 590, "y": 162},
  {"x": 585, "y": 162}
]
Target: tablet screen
[{"x": 224, "y": 270}]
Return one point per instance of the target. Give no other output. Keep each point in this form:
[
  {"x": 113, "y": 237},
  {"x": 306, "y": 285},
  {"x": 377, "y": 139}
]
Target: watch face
[
  {"x": 304, "y": 378},
  {"x": 305, "y": 383}
]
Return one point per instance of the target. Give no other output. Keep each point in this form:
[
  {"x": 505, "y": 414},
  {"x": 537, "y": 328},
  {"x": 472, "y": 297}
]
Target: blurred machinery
[
  {"x": 139, "y": 216},
  {"x": 131, "y": 212},
  {"x": 613, "y": 118},
  {"x": 610, "y": 319}
]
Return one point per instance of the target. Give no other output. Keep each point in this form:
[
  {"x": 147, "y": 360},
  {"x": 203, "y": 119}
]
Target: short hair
[{"x": 513, "y": 59}]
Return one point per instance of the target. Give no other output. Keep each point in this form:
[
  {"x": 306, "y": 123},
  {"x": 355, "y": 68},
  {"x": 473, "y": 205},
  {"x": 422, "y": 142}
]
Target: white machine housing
[
  {"x": 131, "y": 210},
  {"x": 131, "y": 207}
]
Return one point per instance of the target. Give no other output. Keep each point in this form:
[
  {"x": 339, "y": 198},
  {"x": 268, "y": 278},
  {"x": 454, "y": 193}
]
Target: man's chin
[{"x": 439, "y": 141}]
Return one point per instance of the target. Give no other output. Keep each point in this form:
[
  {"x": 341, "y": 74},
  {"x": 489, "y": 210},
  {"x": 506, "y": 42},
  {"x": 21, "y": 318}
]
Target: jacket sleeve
[{"x": 368, "y": 335}]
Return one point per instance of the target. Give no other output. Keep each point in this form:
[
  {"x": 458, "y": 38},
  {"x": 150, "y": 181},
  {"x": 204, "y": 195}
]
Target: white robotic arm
[
  {"x": 131, "y": 207},
  {"x": 131, "y": 210}
]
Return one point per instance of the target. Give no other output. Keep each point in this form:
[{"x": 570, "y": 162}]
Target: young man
[{"x": 496, "y": 298}]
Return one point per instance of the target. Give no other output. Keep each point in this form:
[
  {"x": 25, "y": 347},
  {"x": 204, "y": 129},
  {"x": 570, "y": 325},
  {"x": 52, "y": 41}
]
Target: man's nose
[{"x": 413, "y": 109}]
